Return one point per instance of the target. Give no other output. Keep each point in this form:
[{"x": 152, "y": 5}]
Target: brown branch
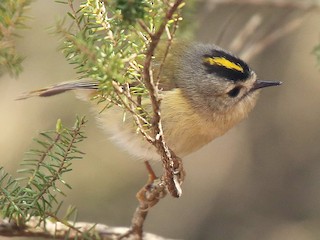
[
  {"x": 145, "y": 27},
  {"x": 155, "y": 189},
  {"x": 172, "y": 164},
  {"x": 57, "y": 230},
  {"x": 166, "y": 51},
  {"x": 148, "y": 196},
  {"x": 131, "y": 107}
]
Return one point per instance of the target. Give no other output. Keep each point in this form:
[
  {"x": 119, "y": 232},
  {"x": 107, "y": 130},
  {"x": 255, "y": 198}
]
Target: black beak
[{"x": 262, "y": 84}]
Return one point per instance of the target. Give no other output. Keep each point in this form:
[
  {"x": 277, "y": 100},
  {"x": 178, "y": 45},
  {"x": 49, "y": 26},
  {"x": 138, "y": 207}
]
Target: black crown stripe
[{"x": 223, "y": 71}]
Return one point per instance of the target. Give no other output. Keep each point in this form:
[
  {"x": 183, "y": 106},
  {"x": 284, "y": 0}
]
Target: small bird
[{"x": 205, "y": 91}]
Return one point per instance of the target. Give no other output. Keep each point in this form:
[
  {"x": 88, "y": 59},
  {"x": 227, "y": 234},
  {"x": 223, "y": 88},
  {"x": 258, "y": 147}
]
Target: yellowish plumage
[
  {"x": 185, "y": 129},
  {"x": 205, "y": 91}
]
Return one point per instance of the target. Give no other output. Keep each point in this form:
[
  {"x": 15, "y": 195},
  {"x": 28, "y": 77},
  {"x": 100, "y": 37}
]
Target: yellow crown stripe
[{"x": 221, "y": 61}]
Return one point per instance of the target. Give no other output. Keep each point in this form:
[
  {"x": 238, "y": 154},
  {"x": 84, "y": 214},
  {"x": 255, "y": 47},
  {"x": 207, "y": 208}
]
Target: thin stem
[{"x": 170, "y": 163}]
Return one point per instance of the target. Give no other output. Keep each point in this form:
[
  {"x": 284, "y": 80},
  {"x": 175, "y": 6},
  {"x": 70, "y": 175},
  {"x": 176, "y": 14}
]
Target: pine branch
[
  {"x": 12, "y": 17},
  {"x": 113, "y": 42},
  {"x": 105, "y": 43},
  {"x": 51, "y": 229},
  {"x": 36, "y": 194},
  {"x": 172, "y": 163},
  {"x": 116, "y": 65}
]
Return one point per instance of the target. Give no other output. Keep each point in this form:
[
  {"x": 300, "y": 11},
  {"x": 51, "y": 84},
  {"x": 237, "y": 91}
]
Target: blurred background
[{"x": 259, "y": 181}]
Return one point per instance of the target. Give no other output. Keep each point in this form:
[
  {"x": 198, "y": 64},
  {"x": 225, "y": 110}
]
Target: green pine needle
[{"x": 36, "y": 193}]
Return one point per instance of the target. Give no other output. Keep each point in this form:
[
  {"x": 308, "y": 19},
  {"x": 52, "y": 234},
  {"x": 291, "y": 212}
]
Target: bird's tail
[{"x": 61, "y": 88}]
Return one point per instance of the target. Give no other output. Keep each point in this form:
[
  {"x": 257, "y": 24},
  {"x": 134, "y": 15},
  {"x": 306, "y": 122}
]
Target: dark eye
[{"x": 234, "y": 92}]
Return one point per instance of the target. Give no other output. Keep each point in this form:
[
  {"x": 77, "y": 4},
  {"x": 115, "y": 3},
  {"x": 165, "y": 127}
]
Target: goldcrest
[{"x": 205, "y": 92}]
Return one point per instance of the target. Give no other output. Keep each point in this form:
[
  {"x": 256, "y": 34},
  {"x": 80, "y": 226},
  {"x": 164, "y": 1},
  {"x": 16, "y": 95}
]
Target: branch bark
[
  {"x": 155, "y": 189},
  {"x": 52, "y": 229},
  {"x": 172, "y": 163}
]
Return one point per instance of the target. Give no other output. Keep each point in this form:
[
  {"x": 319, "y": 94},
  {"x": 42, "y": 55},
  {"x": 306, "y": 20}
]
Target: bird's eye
[{"x": 234, "y": 92}]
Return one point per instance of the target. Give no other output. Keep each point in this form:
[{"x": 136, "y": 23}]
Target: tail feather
[{"x": 61, "y": 88}]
